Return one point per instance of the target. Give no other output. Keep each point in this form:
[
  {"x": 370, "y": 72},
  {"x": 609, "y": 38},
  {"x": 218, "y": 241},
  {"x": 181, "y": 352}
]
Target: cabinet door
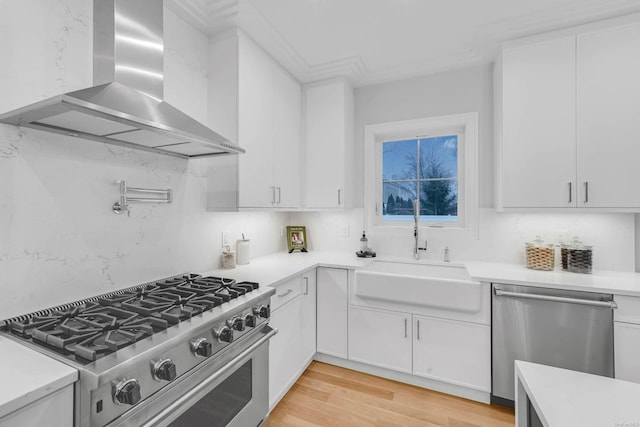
[
  {"x": 538, "y": 131},
  {"x": 308, "y": 315},
  {"x": 287, "y": 163},
  {"x": 608, "y": 112},
  {"x": 452, "y": 351},
  {"x": 325, "y": 115},
  {"x": 332, "y": 288},
  {"x": 285, "y": 356},
  {"x": 255, "y": 125},
  {"x": 380, "y": 338},
  {"x": 626, "y": 337}
]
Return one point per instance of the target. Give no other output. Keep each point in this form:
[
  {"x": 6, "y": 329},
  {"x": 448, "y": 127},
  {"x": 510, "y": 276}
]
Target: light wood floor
[{"x": 327, "y": 395}]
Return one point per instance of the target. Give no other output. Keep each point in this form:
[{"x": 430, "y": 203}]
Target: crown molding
[
  {"x": 556, "y": 18},
  {"x": 214, "y": 17},
  {"x": 427, "y": 67}
]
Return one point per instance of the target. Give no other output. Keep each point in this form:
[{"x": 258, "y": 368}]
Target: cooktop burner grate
[{"x": 92, "y": 328}]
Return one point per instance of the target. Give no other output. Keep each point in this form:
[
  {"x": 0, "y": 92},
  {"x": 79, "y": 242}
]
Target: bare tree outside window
[{"x": 424, "y": 167}]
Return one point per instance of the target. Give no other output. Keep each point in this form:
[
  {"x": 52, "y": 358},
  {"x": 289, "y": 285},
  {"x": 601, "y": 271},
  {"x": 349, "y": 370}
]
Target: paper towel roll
[{"x": 243, "y": 251}]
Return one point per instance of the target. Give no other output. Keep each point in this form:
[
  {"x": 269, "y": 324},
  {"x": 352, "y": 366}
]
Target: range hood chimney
[{"x": 125, "y": 106}]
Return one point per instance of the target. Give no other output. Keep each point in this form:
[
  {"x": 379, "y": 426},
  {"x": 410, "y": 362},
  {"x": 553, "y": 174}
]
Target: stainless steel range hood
[{"x": 125, "y": 106}]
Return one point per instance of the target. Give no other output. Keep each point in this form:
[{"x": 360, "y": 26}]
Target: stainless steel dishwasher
[{"x": 566, "y": 329}]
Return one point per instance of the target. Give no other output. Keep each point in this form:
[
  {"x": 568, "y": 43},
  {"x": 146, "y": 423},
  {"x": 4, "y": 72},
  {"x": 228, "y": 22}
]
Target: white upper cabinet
[
  {"x": 609, "y": 117},
  {"x": 567, "y": 125},
  {"x": 539, "y": 124},
  {"x": 288, "y": 169},
  {"x": 254, "y": 102},
  {"x": 328, "y": 119}
]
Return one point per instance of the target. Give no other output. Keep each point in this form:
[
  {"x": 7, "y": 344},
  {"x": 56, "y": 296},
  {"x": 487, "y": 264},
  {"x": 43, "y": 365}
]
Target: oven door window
[{"x": 222, "y": 404}]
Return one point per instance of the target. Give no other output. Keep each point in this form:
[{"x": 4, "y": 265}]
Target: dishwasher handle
[{"x": 604, "y": 304}]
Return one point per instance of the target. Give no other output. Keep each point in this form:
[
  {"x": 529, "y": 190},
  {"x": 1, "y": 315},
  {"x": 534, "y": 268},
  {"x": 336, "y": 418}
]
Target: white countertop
[
  {"x": 274, "y": 268},
  {"x": 271, "y": 269},
  {"x": 45, "y": 375},
  {"x": 569, "y": 398},
  {"x": 28, "y": 376},
  {"x": 607, "y": 281}
]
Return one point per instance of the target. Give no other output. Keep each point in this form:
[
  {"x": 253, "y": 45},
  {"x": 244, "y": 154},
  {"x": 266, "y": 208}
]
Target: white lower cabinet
[
  {"x": 285, "y": 348},
  {"x": 452, "y": 351},
  {"x": 380, "y": 338},
  {"x": 308, "y": 321},
  {"x": 332, "y": 311},
  {"x": 626, "y": 338}
]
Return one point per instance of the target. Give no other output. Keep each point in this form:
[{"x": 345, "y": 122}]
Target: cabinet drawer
[
  {"x": 286, "y": 291},
  {"x": 628, "y": 309}
]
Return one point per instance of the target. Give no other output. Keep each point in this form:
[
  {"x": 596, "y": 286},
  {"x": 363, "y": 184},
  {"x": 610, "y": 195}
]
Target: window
[
  {"x": 423, "y": 172},
  {"x": 429, "y": 162}
]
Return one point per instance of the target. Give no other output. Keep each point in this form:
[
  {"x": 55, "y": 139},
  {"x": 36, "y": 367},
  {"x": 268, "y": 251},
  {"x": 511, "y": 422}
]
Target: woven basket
[{"x": 540, "y": 258}]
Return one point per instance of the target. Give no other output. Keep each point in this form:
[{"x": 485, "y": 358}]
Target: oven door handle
[
  {"x": 162, "y": 415},
  {"x": 604, "y": 304}
]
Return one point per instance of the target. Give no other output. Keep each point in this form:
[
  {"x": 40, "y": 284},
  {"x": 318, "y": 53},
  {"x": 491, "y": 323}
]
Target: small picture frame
[{"x": 296, "y": 238}]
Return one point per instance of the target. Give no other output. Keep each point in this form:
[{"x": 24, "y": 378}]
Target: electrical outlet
[
  {"x": 345, "y": 230},
  {"x": 282, "y": 231},
  {"x": 225, "y": 239}
]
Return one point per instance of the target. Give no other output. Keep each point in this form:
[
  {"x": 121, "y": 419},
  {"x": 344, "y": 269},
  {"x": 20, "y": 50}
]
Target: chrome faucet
[{"x": 416, "y": 217}]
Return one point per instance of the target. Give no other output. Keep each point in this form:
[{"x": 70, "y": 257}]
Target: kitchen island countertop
[{"x": 562, "y": 397}]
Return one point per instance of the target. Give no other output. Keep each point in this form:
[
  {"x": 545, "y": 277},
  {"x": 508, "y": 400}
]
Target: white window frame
[{"x": 465, "y": 124}]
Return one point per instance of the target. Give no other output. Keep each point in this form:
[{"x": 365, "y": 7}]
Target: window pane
[
  {"x": 439, "y": 157},
  {"x": 399, "y": 160},
  {"x": 439, "y": 200},
  {"x": 397, "y": 200}
]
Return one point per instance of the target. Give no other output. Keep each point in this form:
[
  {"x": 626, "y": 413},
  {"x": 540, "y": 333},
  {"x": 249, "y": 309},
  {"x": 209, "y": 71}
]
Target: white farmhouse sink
[{"x": 443, "y": 286}]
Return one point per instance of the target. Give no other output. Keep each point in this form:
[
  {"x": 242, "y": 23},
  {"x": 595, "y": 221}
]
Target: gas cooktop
[{"x": 87, "y": 330}]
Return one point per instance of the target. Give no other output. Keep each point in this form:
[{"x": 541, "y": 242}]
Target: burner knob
[
  {"x": 223, "y": 333},
  {"x": 164, "y": 370},
  {"x": 262, "y": 311},
  {"x": 201, "y": 347},
  {"x": 127, "y": 392},
  {"x": 249, "y": 320},
  {"x": 237, "y": 323}
]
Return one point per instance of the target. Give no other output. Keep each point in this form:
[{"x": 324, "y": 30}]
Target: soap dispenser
[{"x": 364, "y": 243}]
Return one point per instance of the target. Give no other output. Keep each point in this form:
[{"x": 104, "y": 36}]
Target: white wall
[
  {"x": 453, "y": 92},
  {"x": 501, "y": 236},
  {"x": 59, "y": 240}
]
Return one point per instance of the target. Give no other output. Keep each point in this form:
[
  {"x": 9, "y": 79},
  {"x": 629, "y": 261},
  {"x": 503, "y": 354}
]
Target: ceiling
[{"x": 373, "y": 41}]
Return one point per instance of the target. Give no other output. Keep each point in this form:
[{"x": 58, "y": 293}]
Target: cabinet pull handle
[
  {"x": 586, "y": 191},
  {"x": 273, "y": 194},
  {"x": 339, "y": 196},
  {"x": 418, "y": 329},
  {"x": 285, "y": 294},
  {"x": 405, "y": 328},
  {"x": 570, "y": 200},
  {"x": 306, "y": 285},
  {"x": 279, "y": 194}
]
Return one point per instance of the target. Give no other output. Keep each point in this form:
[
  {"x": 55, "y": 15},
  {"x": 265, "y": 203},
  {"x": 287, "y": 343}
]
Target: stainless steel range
[{"x": 186, "y": 350}]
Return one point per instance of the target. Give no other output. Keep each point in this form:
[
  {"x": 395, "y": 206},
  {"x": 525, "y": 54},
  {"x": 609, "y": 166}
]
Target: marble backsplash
[
  {"x": 59, "y": 239},
  {"x": 501, "y": 237}
]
